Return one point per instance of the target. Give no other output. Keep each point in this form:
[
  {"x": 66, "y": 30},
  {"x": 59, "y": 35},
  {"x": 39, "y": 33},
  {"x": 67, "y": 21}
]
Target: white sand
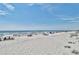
[{"x": 52, "y": 44}]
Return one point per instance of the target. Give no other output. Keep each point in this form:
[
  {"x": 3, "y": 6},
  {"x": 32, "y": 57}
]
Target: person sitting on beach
[
  {"x": 5, "y": 38},
  {"x": 0, "y": 39},
  {"x": 29, "y": 35}
]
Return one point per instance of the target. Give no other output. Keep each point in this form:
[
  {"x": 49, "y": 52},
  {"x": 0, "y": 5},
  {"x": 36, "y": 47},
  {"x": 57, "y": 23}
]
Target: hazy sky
[{"x": 39, "y": 16}]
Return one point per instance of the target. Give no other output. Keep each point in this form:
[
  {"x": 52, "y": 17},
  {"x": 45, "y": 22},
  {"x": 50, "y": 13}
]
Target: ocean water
[
  {"x": 35, "y": 31},
  {"x": 2, "y": 33}
]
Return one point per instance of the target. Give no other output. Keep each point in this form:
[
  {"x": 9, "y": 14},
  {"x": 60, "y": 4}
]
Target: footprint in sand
[
  {"x": 67, "y": 46},
  {"x": 71, "y": 42},
  {"x": 75, "y": 52}
]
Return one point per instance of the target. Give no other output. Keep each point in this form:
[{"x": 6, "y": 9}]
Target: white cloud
[
  {"x": 42, "y": 5},
  {"x": 30, "y": 4},
  {"x": 48, "y": 7},
  {"x": 74, "y": 21},
  {"x": 66, "y": 19},
  {"x": 9, "y": 6},
  {"x": 2, "y": 13},
  {"x": 69, "y": 18}
]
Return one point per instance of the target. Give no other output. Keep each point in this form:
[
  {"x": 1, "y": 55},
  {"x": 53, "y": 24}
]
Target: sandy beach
[{"x": 61, "y": 43}]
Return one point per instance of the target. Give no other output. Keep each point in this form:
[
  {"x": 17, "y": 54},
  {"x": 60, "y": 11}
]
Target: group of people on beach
[{"x": 6, "y": 38}]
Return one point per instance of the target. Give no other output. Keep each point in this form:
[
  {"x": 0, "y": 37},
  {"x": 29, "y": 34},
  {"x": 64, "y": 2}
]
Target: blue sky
[{"x": 39, "y": 16}]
